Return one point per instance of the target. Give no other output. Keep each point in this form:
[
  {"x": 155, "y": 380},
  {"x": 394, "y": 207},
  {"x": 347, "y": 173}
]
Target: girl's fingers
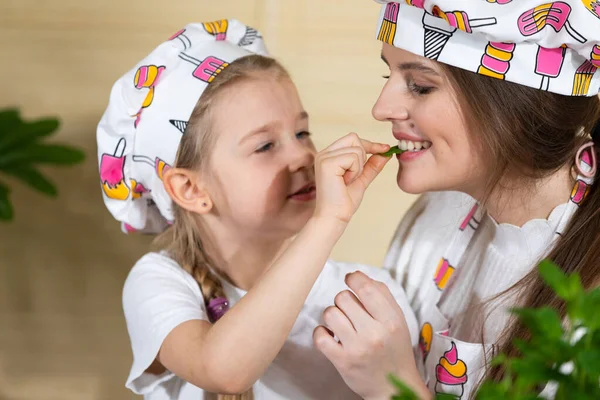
[
  {"x": 345, "y": 163},
  {"x": 353, "y": 140},
  {"x": 370, "y": 171},
  {"x": 374, "y": 148},
  {"x": 350, "y": 140}
]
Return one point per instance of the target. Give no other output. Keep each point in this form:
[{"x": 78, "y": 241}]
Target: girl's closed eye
[
  {"x": 265, "y": 147},
  {"x": 303, "y": 134}
]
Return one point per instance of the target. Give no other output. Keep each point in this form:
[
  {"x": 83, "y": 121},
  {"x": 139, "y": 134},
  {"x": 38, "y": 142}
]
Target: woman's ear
[{"x": 186, "y": 189}]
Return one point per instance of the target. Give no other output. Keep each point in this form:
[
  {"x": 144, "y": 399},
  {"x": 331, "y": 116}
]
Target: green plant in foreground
[
  {"x": 573, "y": 344},
  {"x": 22, "y": 151}
]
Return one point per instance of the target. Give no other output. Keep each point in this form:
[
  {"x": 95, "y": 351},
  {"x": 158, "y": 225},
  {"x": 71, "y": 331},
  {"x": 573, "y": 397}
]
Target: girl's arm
[{"x": 233, "y": 353}]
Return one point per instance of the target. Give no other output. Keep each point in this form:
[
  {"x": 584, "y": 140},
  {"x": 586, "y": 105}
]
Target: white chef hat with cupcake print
[
  {"x": 552, "y": 46},
  {"x": 139, "y": 133}
]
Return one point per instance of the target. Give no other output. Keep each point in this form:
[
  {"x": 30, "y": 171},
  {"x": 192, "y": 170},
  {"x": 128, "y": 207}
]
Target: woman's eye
[
  {"x": 420, "y": 90},
  {"x": 385, "y": 76}
]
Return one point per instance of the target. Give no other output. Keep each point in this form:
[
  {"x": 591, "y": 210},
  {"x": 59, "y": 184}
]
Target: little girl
[{"x": 207, "y": 138}]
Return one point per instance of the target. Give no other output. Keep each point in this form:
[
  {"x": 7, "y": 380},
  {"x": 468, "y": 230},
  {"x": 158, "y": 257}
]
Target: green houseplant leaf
[
  {"x": 6, "y": 209},
  {"x": 22, "y": 149},
  {"x": 564, "y": 351}
]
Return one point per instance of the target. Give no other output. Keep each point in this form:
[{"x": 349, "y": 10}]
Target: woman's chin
[{"x": 411, "y": 184}]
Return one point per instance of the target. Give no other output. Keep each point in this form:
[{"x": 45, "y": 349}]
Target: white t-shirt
[{"x": 159, "y": 295}]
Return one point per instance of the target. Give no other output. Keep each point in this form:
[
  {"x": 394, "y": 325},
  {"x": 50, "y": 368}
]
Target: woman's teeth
[{"x": 413, "y": 146}]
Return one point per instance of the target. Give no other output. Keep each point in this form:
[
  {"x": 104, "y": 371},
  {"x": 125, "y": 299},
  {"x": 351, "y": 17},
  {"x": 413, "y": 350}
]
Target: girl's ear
[{"x": 187, "y": 190}]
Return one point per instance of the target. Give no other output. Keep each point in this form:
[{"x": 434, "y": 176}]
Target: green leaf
[
  {"x": 589, "y": 310},
  {"x": 403, "y": 391},
  {"x": 492, "y": 391},
  {"x": 33, "y": 178},
  {"x": 572, "y": 392},
  {"x": 9, "y": 120},
  {"x": 589, "y": 362},
  {"x": 553, "y": 276},
  {"x": 498, "y": 360},
  {"x": 543, "y": 321},
  {"x": 6, "y": 209},
  {"x": 393, "y": 150},
  {"x": 531, "y": 372},
  {"x": 43, "y": 154},
  {"x": 446, "y": 396},
  {"x": 26, "y": 133}
]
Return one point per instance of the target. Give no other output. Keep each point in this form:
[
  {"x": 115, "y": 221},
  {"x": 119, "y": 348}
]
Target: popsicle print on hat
[
  {"x": 460, "y": 19},
  {"x": 183, "y": 38},
  {"x": 249, "y": 37},
  {"x": 554, "y": 14},
  {"x": 207, "y": 69},
  {"x": 387, "y": 31},
  {"x": 159, "y": 165},
  {"x": 549, "y": 63},
  {"x": 583, "y": 78},
  {"x": 217, "y": 28},
  {"x": 112, "y": 173},
  {"x": 496, "y": 60},
  {"x": 137, "y": 189},
  {"x": 146, "y": 77}
]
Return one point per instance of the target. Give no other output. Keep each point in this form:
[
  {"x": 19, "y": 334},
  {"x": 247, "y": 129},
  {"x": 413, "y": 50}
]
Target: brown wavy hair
[{"x": 530, "y": 134}]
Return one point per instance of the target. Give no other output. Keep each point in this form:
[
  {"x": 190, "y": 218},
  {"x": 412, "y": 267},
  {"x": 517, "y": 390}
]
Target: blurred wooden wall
[{"x": 63, "y": 261}]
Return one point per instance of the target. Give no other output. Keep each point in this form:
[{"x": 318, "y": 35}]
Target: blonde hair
[{"x": 185, "y": 240}]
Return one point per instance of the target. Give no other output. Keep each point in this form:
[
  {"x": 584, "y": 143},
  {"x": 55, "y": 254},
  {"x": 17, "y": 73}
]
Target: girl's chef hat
[{"x": 139, "y": 133}]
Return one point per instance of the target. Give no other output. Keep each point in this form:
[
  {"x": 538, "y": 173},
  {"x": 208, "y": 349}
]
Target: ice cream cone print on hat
[
  {"x": 535, "y": 43},
  {"x": 148, "y": 112},
  {"x": 437, "y": 34}
]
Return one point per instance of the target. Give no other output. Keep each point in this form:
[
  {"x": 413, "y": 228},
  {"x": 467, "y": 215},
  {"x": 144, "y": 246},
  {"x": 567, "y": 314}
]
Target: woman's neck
[{"x": 518, "y": 205}]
